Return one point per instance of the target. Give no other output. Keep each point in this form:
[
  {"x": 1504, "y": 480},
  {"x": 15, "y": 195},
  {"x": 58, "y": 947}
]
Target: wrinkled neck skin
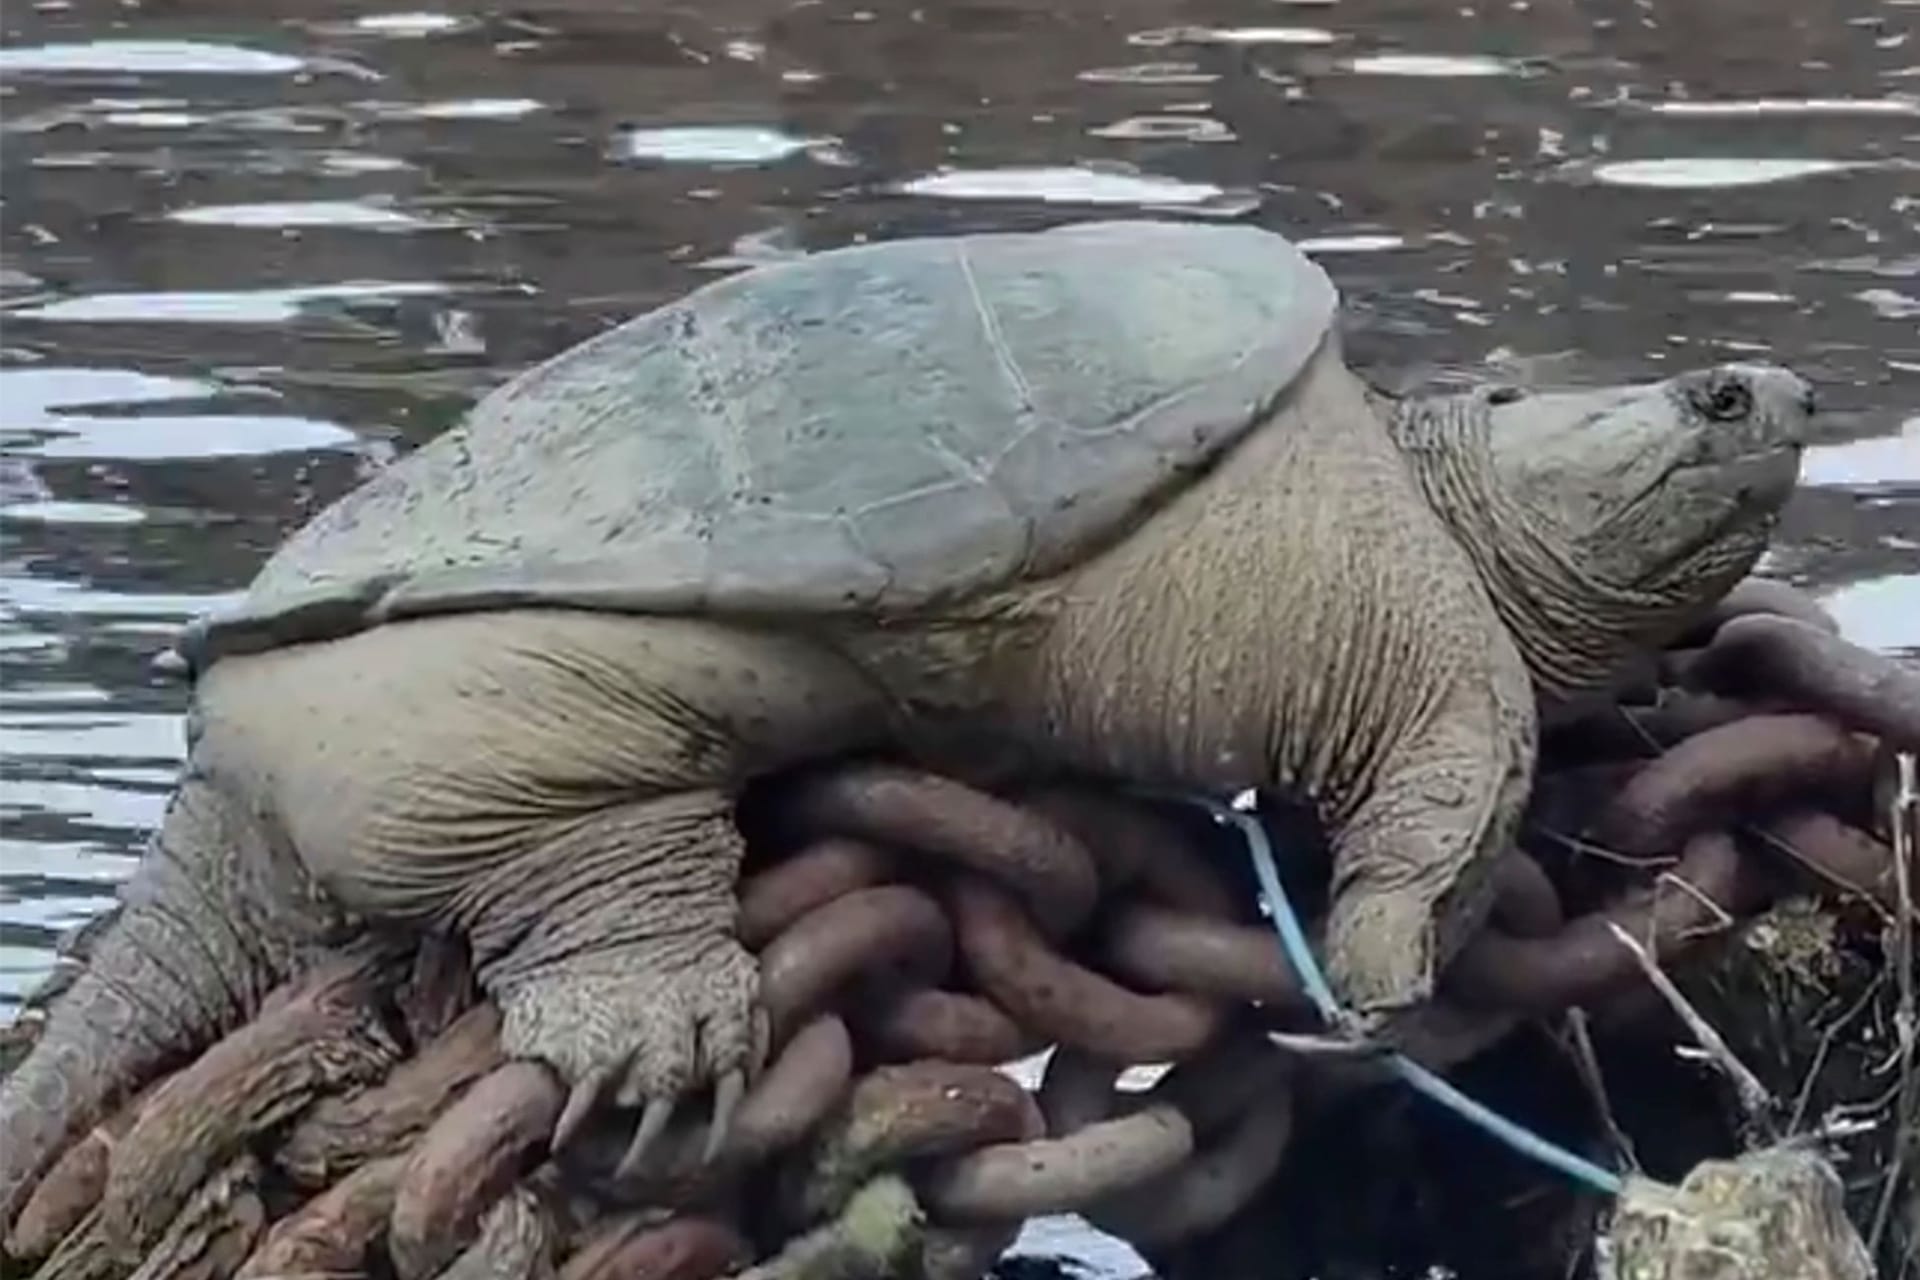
[{"x": 1574, "y": 628}]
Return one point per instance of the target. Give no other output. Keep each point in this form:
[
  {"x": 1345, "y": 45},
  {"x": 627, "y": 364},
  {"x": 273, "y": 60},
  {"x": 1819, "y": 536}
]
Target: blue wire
[
  {"x": 1293, "y": 938},
  {"x": 1293, "y": 941}
]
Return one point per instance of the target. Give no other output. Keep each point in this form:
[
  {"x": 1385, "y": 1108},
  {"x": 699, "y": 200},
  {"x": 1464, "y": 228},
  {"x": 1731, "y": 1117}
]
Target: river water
[{"x": 254, "y": 250}]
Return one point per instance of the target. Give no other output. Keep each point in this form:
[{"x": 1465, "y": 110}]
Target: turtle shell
[{"x": 876, "y": 429}]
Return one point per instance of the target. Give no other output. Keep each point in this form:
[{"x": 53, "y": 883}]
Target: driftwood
[
  {"x": 72, "y": 1187},
  {"x": 686, "y": 1248},
  {"x": 472, "y": 1154},
  {"x": 341, "y": 1133},
  {"x": 517, "y": 1240},
  {"x": 334, "y": 1233},
  {"x": 313, "y": 1038}
]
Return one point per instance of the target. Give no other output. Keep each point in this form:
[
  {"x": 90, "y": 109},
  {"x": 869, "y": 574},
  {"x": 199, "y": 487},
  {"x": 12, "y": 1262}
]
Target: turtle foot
[{"x": 641, "y": 1028}]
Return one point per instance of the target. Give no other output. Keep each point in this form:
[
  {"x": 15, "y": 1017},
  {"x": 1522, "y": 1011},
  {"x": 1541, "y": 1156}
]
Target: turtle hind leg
[
  {"x": 556, "y": 787},
  {"x": 616, "y": 961},
  {"x": 210, "y": 921}
]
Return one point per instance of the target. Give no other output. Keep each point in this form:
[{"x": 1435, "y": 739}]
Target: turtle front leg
[
  {"x": 1412, "y": 867},
  {"x": 610, "y": 948}
]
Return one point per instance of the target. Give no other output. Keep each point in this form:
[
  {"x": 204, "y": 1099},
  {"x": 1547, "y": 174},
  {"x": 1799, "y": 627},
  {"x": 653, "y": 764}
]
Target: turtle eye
[{"x": 1724, "y": 399}]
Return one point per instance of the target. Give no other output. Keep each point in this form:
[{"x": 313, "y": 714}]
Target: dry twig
[
  {"x": 1753, "y": 1096},
  {"x": 1904, "y": 824},
  {"x": 1586, "y": 1062}
]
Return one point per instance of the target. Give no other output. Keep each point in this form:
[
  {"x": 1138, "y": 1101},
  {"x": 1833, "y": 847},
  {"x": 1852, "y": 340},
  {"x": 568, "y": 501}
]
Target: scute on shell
[{"x": 875, "y": 428}]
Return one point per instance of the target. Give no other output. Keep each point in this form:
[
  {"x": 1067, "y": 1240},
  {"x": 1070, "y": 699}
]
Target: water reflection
[
  {"x": 147, "y": 57},
  {"x": 253, "y": 250},
  {"x": 1082, "y": 185},
  {"x": 1681, "y": 173},
  {"x": 720, "y": 145}
]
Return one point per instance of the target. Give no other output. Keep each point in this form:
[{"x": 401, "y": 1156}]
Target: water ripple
[
  {"x": 1161, "y": 128},
  {"x": 1764, "y": 108},
  {"x": 408, "y": 26},
  {"x": 151, "y": 57},
  {"x": 231, "y": 306},
  {"x": 1081, "y": 185},
  {"x": 1164, "y": 36},
  {"x": 1150, "y": 73},
  {"x": 1695, "y": 173},
  {"x": 720, "y": 144},
  {"x": 64, "y": 414},
  {"x": 355, "y": 215},
  {"x": 1430, "y": 65}
]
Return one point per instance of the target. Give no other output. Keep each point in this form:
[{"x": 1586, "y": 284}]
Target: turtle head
[
  {"x": 1603, "y": 520},
  {"x": 1666, "y": 490}
]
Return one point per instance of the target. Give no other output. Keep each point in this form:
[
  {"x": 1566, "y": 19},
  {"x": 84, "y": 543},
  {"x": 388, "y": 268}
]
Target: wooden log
[
  {"x": 467, "y": 1160},
  {"x": 314, "y": 1036},
  {"x": 82, "y": 1254},
  {"x": 339, "y": 1134},
  {"x": 518, "y": 1240},
  {"x": 439, "y": 989},
  {"x": 72, "y": 1187},
  {"x": 214, "y": 1231},
  {"x": 639, "y": 1247},
  {"x": 212, "y": 1234},
  {"x": 334, "y": 1233}
]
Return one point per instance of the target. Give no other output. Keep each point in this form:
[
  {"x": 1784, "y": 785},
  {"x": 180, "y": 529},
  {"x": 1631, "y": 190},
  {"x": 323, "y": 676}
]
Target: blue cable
[{"x": 1293, "y": 941}]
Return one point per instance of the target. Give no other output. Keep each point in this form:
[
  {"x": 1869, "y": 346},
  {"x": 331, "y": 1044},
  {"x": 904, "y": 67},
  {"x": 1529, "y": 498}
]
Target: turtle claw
[
  {"x": 653, "y": 1122},
  {"x": 645, "y": 1031},
  {"x": 762, "y": 1040},
  {"x": 580, "y": 1102},
  {"x": 1325, "y": 1046},
  {"x": 726, "y": 1102}
]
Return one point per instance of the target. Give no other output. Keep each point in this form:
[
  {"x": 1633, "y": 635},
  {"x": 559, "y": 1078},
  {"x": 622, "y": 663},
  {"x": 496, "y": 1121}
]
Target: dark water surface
[{"x": 253, "y": 250}]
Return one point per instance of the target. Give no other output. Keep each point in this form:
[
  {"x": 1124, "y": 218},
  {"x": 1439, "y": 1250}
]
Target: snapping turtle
[{"x": 1104, "y": 494}]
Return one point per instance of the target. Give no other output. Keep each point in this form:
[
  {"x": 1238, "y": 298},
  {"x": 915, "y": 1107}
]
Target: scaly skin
[
  {"x": 216, "y": 916},
  {"x": 1356, "y": 605},
  {"x": 557, "y": 787},
  {"x": 1242, "y": 643}
]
